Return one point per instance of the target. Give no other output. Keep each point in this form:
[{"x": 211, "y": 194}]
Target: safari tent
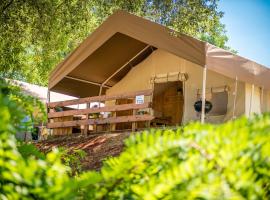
[{"x": 143, "y": 74}]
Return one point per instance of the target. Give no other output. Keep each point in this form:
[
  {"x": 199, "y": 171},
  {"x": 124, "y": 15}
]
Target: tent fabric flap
[{"x": 231, "y": 65}]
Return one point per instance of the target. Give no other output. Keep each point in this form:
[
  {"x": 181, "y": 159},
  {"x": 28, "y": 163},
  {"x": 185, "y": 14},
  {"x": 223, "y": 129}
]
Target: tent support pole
[
  {"x": 262, "y": 106},
  {"x": 85, "y": 81},
  {"x": 235, "y": 96},
  {"x": 203, "y": 94},
  {"x": 251, "y": 100},
  {"x": 48, "y": 101},
  {"x": 48, "y": 95},
  {"x": 122, "y": 67},
  {"x": 100, "y": 90},
  {"x": 184, "y": 99}
]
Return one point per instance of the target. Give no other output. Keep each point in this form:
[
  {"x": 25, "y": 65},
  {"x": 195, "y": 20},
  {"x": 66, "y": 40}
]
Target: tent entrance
[{"x": 168, "y": 103}]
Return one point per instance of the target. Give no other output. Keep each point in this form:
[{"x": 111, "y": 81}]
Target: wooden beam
[
  {"x": 98, "y": 110},
  {"x": 110, "y": 120},
  {"x": 99, "y": 98}
]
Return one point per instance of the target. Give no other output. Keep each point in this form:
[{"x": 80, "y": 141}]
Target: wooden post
[
  {"x": 86, "y": 127},
  {"x": 251, "y": 100},
  {"x": 235, "y": 96},
  {"x": 203, "y": 94},
  {"x": 184, "y": 100},
  {"x": 134, "y": 124},
  {"x": 48, "y": 102},
  {"x": 113, "y": 126}
]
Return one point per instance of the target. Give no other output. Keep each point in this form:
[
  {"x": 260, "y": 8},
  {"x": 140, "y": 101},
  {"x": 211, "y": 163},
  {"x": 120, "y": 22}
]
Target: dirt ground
[{"x": 97, "y": 147}]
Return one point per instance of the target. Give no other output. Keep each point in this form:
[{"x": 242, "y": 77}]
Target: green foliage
[
  {"x": 20, "y": 105},
  {"x": 36, "y": 35},
  {"x": 20, "y": 178},
  {"x": 25, "y": 176},
  {"x": 229, "y": 161},
  {"x": 74, "y": 160},
  {"x": 28, "y": 150}
]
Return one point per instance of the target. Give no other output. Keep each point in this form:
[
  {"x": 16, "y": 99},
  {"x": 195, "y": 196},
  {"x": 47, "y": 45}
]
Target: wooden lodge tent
[{"x": 128, "y": 54}]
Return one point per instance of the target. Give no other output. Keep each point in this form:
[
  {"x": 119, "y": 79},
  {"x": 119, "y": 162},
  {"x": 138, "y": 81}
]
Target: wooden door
[{"x": 168, "y": 102}]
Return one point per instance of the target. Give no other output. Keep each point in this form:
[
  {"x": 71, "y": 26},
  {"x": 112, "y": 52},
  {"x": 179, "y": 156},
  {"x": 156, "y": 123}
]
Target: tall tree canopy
[{"x": 35, "y": 35}]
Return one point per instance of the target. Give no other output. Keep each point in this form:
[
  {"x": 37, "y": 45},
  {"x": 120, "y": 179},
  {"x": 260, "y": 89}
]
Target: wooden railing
[{"x": 100, "y": 120}]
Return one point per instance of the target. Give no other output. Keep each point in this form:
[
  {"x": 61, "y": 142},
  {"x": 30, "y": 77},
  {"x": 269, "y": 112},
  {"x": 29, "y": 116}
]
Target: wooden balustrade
[
  {"x": 101, "y": 98},
  {"x": 133, "y": 117}
]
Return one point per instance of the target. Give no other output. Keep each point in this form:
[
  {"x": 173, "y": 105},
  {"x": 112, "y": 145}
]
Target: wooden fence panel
[
  {"x": 99, "y": 98},
  {"x": 98, "y": 110},
  {"x": 132, "y": 117},
  {"x": 110, "y": 120}
]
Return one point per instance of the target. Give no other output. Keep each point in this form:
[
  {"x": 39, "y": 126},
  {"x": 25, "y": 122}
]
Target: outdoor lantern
[{"x": 198, "y": 106}]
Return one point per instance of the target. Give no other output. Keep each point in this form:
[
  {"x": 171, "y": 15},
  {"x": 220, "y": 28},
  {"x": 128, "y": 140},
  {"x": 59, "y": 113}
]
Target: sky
[{"x": 248, "y": 28}]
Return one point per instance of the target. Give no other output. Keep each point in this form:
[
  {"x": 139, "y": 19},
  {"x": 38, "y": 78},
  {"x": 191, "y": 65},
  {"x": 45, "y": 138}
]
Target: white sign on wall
[{"x": 139, "y": 99}]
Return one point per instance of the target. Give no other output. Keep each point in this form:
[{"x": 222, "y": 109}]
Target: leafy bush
[
  {"x": 27, "y": 150},
  {"x": 229, "y": 161},
  {"x": 29, "y": 178},
  {"x": 26, "y": 173},
  {"x": 74, "y": 160}
]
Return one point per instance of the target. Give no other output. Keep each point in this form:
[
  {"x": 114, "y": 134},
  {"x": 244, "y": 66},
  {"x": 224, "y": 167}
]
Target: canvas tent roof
[{"x": 125, "y": 40}]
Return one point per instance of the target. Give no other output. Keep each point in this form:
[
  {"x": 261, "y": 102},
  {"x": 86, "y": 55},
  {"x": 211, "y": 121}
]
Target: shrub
[
  {"x": 27, "y": 150},
  {"x": 229, "y": 161},
  {"x": 26, "y": 173},
  {"x": 73, "y": 159},
  {"x": 29, "y": 178}
]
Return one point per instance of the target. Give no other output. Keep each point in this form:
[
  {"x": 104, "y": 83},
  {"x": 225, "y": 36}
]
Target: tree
[{"x": 36, "y": 35}]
